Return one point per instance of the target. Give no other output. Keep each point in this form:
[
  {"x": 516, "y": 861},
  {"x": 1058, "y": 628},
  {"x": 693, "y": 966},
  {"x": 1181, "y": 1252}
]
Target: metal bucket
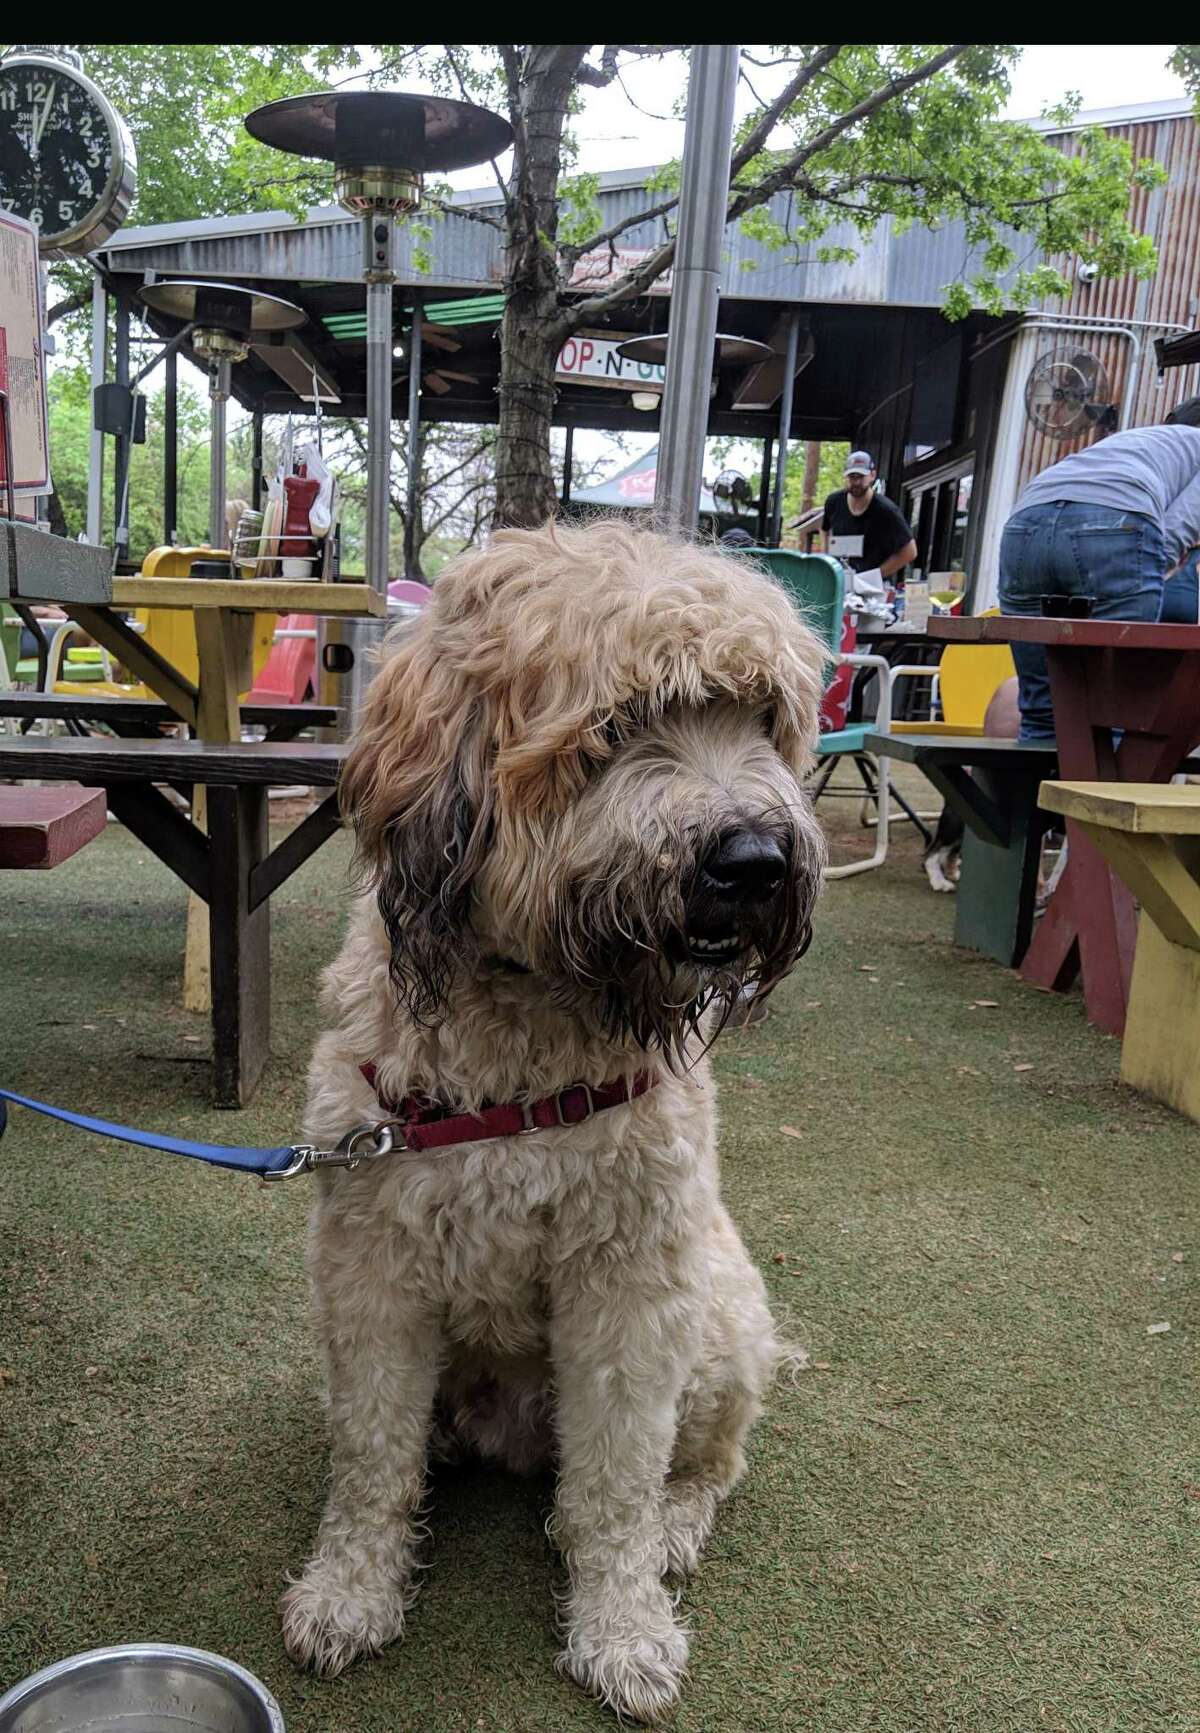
[
  {"x": 346, "y": 661},
  {"x": 141, "y": 1688}
]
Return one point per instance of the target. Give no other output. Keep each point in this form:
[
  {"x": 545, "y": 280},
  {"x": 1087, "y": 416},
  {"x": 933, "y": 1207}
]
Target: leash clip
[{"x": 364, "y": 1143}]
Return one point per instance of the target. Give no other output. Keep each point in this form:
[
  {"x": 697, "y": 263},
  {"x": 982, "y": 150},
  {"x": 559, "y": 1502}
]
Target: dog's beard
[{"x": 630, "y": 948}]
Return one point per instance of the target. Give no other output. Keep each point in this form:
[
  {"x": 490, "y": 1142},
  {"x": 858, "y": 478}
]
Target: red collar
[{"x": 428, "y": 1126}]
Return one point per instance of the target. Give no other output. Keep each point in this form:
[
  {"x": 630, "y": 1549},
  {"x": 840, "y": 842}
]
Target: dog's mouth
[{"x": 713, "y": 949}]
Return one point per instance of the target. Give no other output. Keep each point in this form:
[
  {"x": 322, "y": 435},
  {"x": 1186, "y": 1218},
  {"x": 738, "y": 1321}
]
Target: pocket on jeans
[
  {"x": 1114, "y": 563},
  {"x": 1022, "y": 577}
]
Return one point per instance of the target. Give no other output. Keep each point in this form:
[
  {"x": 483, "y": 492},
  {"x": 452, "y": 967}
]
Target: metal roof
[{"x": 857, "y": 312}]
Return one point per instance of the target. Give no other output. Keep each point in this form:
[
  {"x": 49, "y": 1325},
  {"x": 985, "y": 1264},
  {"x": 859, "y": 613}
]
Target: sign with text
[
  {"x": 606, "y": 265},
  {"x": 22, "y": 359},
  {"x": 589, "y": 359}
]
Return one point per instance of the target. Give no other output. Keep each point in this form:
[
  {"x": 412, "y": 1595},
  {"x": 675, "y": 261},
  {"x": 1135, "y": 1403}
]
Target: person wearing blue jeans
[{"x": 1095, "y": 536}]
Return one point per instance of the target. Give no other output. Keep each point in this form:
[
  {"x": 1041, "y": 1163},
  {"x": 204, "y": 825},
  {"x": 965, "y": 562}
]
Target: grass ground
[{"x": 977, "y": 1512}]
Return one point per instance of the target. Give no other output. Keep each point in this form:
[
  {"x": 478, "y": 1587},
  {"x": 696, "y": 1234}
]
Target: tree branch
[
  {"x": 599, "y": 76},
  {"x": 465, "y": 94},
  {"x": 468, "y": 211},
  {"x": 786, "y": 173},
  {"x": 577, "y": 250},
  {"x": 627, "y": 289},
  {"x": 757, "y": 137},
  {"x": 71, "y": 305}
]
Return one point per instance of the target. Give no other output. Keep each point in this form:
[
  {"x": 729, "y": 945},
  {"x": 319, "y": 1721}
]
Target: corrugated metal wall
[{"x": 1170, "y": 300}]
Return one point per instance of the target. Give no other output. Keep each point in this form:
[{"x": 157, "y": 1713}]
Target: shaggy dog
[{"x": 578, "y": 802}]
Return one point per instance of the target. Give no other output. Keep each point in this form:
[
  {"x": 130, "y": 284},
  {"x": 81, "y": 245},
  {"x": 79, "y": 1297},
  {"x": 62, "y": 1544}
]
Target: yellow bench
[{"x": 1149, "y": 833}]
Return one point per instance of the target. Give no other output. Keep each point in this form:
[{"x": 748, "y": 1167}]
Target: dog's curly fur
[{"x": 548, "y": 758}]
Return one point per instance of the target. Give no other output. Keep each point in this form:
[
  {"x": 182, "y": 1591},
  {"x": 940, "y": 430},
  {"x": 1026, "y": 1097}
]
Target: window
[{"x": 938, "y": 507}]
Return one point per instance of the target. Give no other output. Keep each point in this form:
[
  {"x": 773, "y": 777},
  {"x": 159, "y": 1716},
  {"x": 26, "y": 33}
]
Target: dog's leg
[
  {"x": 621, "y": 1351},
  {"x": 722, "y": 1399},
  {"x": 383, "y": 1356}
]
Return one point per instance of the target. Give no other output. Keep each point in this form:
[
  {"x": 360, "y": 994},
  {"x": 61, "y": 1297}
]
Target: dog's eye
[{"x": 768, "y": 721}]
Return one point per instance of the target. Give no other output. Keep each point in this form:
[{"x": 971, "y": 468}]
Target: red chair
[{"x": 290, "y": 670}]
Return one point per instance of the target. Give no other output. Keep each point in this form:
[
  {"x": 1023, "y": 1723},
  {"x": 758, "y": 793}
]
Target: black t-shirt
[{"x": 874, "y": 536}]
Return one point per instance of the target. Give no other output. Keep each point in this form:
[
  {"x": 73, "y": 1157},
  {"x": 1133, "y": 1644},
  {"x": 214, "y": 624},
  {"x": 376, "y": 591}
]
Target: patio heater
[
  {"x": 381, "y": 144},
  {"x": 728, "y": 351},
  {"x": 225, "y": 320}
]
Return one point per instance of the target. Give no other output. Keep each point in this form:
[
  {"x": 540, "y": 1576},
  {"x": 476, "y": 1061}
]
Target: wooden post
[
  {"x": 224, "y": 643},
  {"x": 240, "y": 955}
]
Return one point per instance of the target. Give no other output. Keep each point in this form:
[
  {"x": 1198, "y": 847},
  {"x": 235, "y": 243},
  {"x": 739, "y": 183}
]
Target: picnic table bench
[
  {"x": 992, "y": 784},
  {"x": 135, "y": 717},
  {"x": 994, "y": 787},
  {"x": 42, "y": 827},
  {"x": 231, "y": 866},
  {"x": 1150, "y": 835}
]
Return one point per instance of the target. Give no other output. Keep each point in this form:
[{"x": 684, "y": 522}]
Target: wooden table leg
[
  {"x": 1089, "y": 927},
  {"x": 224, "y": 645},
  {"x": 997, "y": 888},
  {"x": 240, "y": 943}
]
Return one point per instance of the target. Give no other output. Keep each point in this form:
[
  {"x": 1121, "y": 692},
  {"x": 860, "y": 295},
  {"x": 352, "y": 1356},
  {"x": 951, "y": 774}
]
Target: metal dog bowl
[{"x": 141, "y": 1688}]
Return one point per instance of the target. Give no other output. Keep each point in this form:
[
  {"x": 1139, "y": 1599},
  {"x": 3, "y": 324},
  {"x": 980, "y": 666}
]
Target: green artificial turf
[{"x": 978, "y": 1511}]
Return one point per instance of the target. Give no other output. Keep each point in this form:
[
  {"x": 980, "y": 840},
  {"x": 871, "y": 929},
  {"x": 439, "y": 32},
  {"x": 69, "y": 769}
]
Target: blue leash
[{"x": 267, "y": 1162}]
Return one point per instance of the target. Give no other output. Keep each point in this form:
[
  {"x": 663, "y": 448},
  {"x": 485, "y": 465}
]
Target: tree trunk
[
  {"x": 525, "y": 490},
  {"x": 532, "y": 330},
  {"x": 812, "y": 468}
]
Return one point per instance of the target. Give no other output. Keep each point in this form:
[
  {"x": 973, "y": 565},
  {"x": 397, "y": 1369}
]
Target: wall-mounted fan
[
  {"x": 1067, "y": 392},
  {"x": 733, "y": 491}
]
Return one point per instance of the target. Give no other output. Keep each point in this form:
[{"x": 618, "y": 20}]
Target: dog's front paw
[
  {"x": 631, "y": 1656},
  {"x": 332, "y": 1615}
]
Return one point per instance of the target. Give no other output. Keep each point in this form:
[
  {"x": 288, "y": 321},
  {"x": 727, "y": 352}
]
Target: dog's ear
[{"x": 416, "y": 788}]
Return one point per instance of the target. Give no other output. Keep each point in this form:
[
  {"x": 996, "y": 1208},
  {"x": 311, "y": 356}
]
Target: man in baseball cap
[{"x": 864, "y": 529}]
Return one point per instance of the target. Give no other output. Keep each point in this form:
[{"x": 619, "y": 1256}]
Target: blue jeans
[
  {"x": 1181, "y": 594},
  {"x": 1059, "y": 549}
]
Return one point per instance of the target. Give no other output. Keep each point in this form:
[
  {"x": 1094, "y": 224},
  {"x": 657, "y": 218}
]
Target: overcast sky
[{"x": 613, "y": 133}]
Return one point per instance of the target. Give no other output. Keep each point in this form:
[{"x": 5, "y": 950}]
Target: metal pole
[
  {"x": 704, "y": 196},
  {"x": 124, "y": 443},
  {"x": 412, "y": 507},
  {"x": 256, "y": 461},
  {"x": 171, "y": 448},
  {"x": 568, "y": 456},
  {"x": 218, "y": 388},
  {"x": 378, "y": 233},
  {"x": 764, "y": 489},
  {"x": 95, "y": 493},
  {"x": 785, "y": 426}
]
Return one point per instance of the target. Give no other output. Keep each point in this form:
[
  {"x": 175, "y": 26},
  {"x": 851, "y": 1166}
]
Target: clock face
[{"x": 57, "y": 149}]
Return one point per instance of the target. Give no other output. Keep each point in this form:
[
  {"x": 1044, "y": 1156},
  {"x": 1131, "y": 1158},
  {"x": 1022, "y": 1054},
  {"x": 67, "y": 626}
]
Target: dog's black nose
[{"x": 745, "y": 867}]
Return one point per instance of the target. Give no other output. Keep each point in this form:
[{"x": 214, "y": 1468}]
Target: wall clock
[{"x": 67, "y": 162}]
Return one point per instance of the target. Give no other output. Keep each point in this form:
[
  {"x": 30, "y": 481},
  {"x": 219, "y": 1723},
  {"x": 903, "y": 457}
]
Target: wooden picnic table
[
  {"x": 223, "y": 611},
  {"x": 221, "y": 852},
  {"x": 229, "y": 864},
  {"x": 1140, "y": 683}
]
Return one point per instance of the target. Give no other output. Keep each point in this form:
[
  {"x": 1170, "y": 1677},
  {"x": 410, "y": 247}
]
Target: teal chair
[
  {"x": 817, "y": 585},
  {"x": 81, "y": 663}
]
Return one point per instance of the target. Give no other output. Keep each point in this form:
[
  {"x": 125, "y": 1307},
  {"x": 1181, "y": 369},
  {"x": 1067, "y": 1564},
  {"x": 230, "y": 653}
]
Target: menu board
[{"x": 22, "y": 358}]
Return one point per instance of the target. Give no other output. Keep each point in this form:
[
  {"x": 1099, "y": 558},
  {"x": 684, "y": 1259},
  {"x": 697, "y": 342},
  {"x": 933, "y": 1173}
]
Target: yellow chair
[
  {"x": 172, "y": 631},
  {"x": 967, "y": 679}
]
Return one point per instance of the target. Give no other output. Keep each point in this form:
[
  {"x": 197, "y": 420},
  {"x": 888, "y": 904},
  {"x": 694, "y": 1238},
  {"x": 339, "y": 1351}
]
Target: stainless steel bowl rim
[{"x": 88, "y": 1658}]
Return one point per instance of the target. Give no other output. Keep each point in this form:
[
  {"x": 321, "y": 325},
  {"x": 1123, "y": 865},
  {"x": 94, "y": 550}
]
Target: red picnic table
[{"x": 1143, "y": 682}]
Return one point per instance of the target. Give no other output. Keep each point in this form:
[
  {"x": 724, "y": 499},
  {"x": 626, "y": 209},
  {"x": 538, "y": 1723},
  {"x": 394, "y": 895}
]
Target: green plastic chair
[
  {"x": 817, "y": 585},
  {"x": 79, "y": 664}
]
